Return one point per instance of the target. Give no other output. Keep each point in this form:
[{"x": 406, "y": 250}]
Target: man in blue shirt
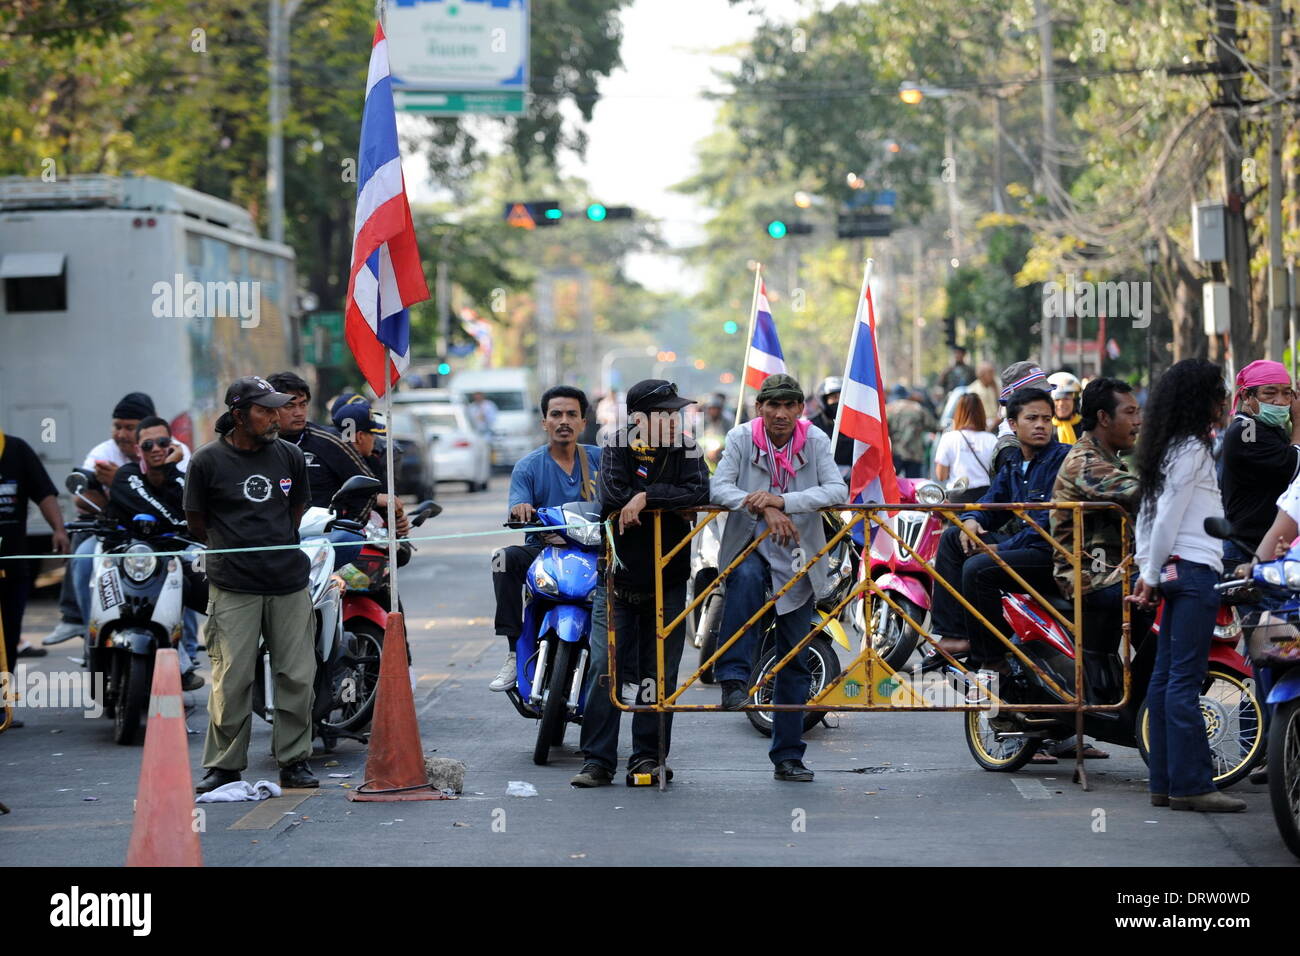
[
  {"x": 960, "y": 561},
  {"x": 557, "y": 473}
]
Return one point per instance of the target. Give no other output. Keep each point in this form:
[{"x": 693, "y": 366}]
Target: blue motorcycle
[
  {"x": 1273, "y": 641},
  {"x": 553, "y": 650}
]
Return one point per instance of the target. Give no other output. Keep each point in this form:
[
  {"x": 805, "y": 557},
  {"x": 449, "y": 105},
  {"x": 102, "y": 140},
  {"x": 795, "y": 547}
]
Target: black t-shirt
[
  {"x": 22, "y": 478},
  {"x": 132, "y": 494},
  {"x": 249, "y": 498},
  {"x": 330, "y": 462},
  {"x": 1259, "y": 462}
]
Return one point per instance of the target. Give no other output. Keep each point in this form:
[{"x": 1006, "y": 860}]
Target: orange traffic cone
[
  {"x": 163, "y": 833},
  {"x": 395, "y": 766}
]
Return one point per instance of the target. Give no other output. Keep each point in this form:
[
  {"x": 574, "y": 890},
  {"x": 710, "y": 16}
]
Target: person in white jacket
[{"x": 1178, "y": 490}]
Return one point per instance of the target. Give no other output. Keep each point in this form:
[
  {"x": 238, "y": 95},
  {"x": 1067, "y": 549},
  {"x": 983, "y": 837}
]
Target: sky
[{"x": 651, "y": 114}]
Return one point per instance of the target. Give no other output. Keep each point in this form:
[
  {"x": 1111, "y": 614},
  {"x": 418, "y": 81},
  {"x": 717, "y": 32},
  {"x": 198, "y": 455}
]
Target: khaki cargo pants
[{"x": 235, "y": 621}]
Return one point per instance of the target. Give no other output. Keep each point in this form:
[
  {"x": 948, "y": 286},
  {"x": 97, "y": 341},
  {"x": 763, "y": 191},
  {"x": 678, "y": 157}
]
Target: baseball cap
[
  {"x": 254, "y": 390},
  {"x": 653, "y": 394},
  {"x": 360, "y": 413},
  {"x": 1022, "y": 375},
  {"x": 781, "y": 388}
]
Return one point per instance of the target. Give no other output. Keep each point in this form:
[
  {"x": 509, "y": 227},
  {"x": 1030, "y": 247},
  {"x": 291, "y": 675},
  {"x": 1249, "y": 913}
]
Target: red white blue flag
[
  {"x": 872, "y": 479},
  {"x": 765, "y": 357},
  {"x": 386, "y": 277}
]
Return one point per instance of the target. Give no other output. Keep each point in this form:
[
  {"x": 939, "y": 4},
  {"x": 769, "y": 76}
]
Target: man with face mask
[
  {"x": 1261, "y": 452},
  {"x": 828, "y": 394}
]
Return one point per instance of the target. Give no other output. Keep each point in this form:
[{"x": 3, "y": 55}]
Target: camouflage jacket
[
  {"x": 908, "y": 423},
  {"x": 1090, "y": 473}
]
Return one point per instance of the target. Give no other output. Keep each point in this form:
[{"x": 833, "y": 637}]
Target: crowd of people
[{"x": 1038, "y": 438}]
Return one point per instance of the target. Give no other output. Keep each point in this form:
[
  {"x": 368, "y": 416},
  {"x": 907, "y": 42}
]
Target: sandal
[
  {"x": 1089, "y": 753},
  {"x": 1043, "y": 757}
]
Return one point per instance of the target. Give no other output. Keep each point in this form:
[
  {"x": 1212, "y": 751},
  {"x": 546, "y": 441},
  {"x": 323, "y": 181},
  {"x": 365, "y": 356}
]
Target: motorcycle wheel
[
  {"x": 132, "y": 697},
  {"x": 892, "y": 638},
  {"x": 712, "y": 611},
  {"x": 353, "y": 716},
  {"x": 1284, "y": 772},
  {"x": 1234, "y": 724},
  {"x": 997, "y": 756},
  {"x": 550, "y": 729},
  {"x": 824, "y": 667}
]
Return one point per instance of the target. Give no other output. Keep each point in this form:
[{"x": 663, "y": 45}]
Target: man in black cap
[
  {"x": 104, "y": 460},
  {"x": 249, "y": 489},
  {"x": 651, "y": 465}
]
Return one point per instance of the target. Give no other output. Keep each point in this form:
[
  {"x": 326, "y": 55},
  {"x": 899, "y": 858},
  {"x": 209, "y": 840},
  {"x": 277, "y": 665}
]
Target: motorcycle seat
[{"x": 1062, "y": 604}]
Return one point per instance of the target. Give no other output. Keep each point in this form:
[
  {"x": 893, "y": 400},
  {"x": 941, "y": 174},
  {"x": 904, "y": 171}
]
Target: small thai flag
[
  {"x": 764, "y": 357},
  {"x": 642, "y": 471}
]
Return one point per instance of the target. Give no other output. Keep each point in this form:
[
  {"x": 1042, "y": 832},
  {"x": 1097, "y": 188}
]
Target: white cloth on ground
[{"x": 239, "y": 791}]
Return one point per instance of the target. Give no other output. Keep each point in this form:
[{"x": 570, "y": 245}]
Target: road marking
[
  {"x": 1032, "y": 789},
  {"x": 32, "y": 827},
  {"x": 270, "y": 812},
  {"x": 437, "y": 676}
]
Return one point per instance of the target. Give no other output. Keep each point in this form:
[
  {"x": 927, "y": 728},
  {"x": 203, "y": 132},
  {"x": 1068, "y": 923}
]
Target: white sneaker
[
  {"x": 64, "y": 632},
  {"x": 505, "y": 678}
]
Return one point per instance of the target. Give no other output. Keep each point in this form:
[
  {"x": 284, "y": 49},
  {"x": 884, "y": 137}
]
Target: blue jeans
[
  {"x": 634, "y": 629},
  {"x": 1180, "y": 761},
  {"x": 747, "y": 587}
]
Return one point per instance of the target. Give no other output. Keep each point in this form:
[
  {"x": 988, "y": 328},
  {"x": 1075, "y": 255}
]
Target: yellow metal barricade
[{"x": 868, "y": 683}]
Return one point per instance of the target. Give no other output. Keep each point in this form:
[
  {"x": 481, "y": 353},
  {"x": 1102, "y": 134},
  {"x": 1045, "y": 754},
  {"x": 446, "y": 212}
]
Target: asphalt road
[{"x": 891, "y": 789}]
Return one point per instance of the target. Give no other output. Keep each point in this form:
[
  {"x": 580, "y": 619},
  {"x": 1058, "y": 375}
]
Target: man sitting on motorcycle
[
  {"x": 776, "y": 471},
  {"x": 358, "y": 427},
  {"x": 152, "y": 485},
  {"x": 561, "y": 471},
  {"x": 963, "y": 563},
  {"x": 653, "y": 465},
  {"x": 1094, "y": 471}
]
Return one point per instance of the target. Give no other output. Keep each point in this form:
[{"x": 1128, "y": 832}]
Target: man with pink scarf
[{"x": 775, "y": 473}]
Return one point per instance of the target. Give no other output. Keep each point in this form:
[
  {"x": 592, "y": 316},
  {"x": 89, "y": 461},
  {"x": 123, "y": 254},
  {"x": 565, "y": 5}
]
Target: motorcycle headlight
[
  {"x": 1272, "y": 575},
  {"x": 1293, "y": 575},
  {"x": 588, "y": 535},
  {"x": 137, "y": 563},
  {"x": 929, "y": 494},
  {"x": 542, "y": 581}
]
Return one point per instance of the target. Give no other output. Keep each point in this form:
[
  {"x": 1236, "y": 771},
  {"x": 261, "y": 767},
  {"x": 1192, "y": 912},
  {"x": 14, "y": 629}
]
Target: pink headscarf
[
  {"x": 781, "y": 459},
  {"x": 1259, "y": 372}
]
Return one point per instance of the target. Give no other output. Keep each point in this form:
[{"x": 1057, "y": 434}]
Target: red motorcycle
[{"x": 1234, "y": 716}]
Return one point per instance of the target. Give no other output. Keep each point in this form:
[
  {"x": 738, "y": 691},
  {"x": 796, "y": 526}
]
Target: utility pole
[
  {"x": 281, "y": 14},
  {"x": 1277, "y": 276},
  {"x": 1241, "y": 332},
  {"x": 1050, "y": 170}
]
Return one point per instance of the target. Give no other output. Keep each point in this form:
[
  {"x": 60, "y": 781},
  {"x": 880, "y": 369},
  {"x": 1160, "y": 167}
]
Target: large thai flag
[
  {"x": 386, "y": 277},
  {"x": 872, "y": 479},
  {"x": 764, "y": 357}
]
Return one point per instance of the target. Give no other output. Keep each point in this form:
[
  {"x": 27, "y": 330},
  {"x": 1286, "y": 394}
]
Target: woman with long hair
[
  {"x": 967, "y": 450},
  {"x": 1177, "y": 491}
]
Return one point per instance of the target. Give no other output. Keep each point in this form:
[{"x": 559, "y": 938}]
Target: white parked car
[{"x": 459, "y": 452}]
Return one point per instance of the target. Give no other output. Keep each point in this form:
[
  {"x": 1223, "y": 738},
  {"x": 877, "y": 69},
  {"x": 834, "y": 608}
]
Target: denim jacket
[{"x": 1012, "y": 485}]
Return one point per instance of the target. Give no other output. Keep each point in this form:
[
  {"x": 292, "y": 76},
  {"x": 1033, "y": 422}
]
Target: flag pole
[
  {"x": 392, "y": 497},
  {"x": 853, "y": 344},
  {"x": 749, "y": 340}
]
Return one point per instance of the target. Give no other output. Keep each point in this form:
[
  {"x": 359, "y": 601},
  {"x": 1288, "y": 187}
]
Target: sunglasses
[
  {"x": 149, "y": 443},
  {"x": 666, "y": 390}
]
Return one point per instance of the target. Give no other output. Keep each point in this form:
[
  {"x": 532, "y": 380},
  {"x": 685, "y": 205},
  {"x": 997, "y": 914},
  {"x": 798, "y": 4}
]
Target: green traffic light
[
  {"x": 444, "y": 369},
  {"x": 776, "y": 229},
  {"x": 596, "y": 212},
  {"x": 554, "y": 214},
  {"x": 731, "y": 328}
]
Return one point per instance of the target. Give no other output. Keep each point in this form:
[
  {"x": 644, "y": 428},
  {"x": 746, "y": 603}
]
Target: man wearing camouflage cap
[{"x": 776, "y": 471}]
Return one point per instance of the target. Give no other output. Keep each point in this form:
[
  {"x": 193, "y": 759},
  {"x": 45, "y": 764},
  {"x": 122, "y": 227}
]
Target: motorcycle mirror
[
  {"x": 423, "y": 511},
  {"x": 356, "y": 488},
  {"x": 77, "y": 481},
  {"x": 1218, "y": 527}
]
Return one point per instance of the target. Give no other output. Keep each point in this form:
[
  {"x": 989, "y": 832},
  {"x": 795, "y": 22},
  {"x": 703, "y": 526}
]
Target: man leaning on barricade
[
  {"x": 776, "y": 471},
  {"x": 653, "y": 464}
]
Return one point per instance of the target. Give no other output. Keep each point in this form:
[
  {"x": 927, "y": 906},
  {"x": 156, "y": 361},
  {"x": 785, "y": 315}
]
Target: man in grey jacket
[{"x": 775, "y": 473}]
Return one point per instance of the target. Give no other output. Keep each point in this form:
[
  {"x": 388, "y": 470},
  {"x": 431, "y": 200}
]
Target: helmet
[
  {"x": 1064, "y": 385},
  {"x": 830, "y": 386}
]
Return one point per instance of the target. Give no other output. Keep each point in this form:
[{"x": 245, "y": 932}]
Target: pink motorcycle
[{"x": 903, "y": 577}]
